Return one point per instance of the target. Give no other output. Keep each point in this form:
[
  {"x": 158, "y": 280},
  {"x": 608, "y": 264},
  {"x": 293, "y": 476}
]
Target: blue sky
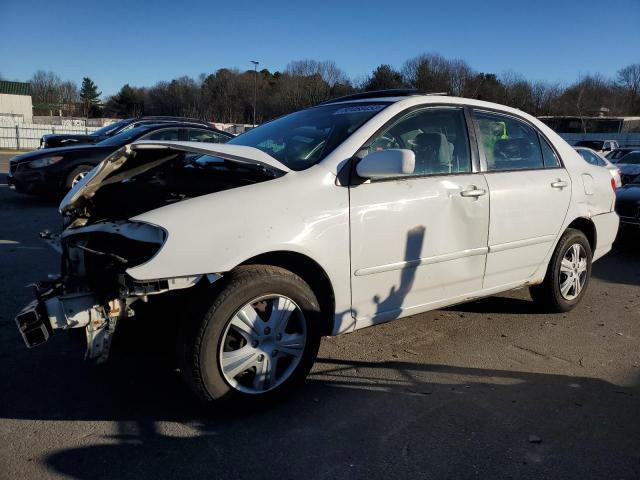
[{"x": 116, "y": 42}]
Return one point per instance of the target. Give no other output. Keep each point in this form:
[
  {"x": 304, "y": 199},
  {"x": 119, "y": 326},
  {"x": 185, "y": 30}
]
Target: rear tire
[
  {"x": 567, "y": 276},
  {"x": 250, "y": 339}
]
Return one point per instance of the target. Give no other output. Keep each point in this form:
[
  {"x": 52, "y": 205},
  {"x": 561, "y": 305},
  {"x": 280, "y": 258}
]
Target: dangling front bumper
[{"x": 53, "y": 310}]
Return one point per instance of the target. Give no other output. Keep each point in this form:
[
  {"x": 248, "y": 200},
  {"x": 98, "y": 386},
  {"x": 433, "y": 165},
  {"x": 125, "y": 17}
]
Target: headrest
[{"x": 512, "y": 149}]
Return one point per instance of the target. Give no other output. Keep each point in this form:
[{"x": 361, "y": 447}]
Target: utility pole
[{"x": 255, "y": 89}]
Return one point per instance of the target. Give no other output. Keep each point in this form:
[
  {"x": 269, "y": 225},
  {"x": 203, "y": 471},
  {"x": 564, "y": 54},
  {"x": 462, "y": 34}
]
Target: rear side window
[
  {"x": 437, "y": 136},
  {"x": 509, "y": 144},
  {"x": 548, "y": 155}
]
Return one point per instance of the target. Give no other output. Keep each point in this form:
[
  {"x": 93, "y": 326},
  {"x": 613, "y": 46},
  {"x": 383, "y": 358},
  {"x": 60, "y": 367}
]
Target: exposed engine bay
[{"x": 99, "y": 243}]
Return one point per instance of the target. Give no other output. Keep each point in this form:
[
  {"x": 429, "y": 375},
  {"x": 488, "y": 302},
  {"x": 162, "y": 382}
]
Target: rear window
[{"x": 592, "y": 144}]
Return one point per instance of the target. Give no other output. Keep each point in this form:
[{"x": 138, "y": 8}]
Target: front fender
[{"x": 302, "y": 212}]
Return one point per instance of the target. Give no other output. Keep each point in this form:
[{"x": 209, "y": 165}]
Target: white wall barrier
[{"x": 26, "y": 136}]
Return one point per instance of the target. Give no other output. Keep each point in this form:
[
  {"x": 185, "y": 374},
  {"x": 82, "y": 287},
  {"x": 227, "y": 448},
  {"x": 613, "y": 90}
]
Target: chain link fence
[{"x": 26, "y": 136}]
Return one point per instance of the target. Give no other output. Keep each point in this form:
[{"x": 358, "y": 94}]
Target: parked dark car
[
  {"x": 614, "y": 155},
  {"x": 629, "y": 166},
  {"x": 54, "y": 171},
  {"x": 68, "y": 139},
  {"x": 600, "y": 146},
  {"x": 628, "y": 203}
]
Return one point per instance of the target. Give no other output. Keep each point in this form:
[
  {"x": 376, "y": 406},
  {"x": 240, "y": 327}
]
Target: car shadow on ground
[
  {"x": 352, "y": 419},
  {"x": 619, "y": 266},
  {"x": 15, "y": 200},
  {"x": 499, "y": 305}
]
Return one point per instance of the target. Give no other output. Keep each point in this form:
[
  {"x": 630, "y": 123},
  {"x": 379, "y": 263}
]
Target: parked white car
[
  {"x": 594, "y": 158},
  {"x": 358, "y": 211}
]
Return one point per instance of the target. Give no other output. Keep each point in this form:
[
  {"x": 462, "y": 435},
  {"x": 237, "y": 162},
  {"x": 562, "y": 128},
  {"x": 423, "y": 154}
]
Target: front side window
[
  {"x": 509, "y": 144},
  {"x": 437, "y": 136},
  {"x": 206, "y": 136},
  {"x": 302, "y": 139},
  {"x": 167, "y": 134}
]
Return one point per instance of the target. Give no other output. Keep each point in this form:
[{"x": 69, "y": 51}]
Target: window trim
[
  {"x": 541, "y": 136},
  {"x": 471, "y": 140}
]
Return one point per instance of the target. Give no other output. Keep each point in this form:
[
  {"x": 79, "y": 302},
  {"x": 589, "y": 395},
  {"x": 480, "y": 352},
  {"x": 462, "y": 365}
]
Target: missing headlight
[{"x": 96, "y": 254}]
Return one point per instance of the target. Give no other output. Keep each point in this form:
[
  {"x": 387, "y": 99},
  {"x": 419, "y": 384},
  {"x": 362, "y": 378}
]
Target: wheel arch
[
  {"x": 310, "y": 271},
  {"x": 586, "y": 226}
]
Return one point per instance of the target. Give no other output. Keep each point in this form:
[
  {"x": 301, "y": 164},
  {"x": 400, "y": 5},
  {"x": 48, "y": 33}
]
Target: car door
[
  {"x": 421, "y": 238},
  {"x": 529, "y": 193}
]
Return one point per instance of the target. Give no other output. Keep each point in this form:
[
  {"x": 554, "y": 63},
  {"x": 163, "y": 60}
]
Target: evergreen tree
[{"x": 90, "y": 97}]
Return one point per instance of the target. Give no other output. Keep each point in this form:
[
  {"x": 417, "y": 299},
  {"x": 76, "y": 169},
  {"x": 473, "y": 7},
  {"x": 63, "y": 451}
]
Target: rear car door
[
  {"x": 420, "y": 238},
  {"x": 529, "y": 196}
]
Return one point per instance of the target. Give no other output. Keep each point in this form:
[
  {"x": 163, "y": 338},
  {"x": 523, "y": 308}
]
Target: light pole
[{"x": 255, "y": 89}]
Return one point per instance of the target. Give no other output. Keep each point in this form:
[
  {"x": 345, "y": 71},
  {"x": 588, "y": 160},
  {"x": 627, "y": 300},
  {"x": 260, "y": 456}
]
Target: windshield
[
  {"x": 630, "y": 158},
  {"x": 108, "y": 129},
  {"x": 301, "y": 139},
  {"x": 125, "y": 137}
]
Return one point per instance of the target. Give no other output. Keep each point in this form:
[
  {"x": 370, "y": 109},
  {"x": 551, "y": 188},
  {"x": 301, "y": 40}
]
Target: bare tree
[
  {"x": 45, "y": 88},
  {"x": 628, "y": 79}
]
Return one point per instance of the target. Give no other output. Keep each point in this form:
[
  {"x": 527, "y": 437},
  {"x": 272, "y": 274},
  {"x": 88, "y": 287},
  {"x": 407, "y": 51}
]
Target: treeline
[{"x": 227, "y": 95}]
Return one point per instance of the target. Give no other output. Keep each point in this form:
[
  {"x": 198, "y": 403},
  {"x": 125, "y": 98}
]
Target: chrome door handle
[
  {"x": 559, "y": 184},
  {"x": 473, "y": 192}
]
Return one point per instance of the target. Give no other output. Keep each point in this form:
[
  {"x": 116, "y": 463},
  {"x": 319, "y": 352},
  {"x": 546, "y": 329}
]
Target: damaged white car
[{"x": 355, "y": 212}]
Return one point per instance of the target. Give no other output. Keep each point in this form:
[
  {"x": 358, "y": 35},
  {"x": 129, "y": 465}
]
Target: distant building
[
  {"x": 568, "y": 124},
  {"x": 15, "y": 102}
]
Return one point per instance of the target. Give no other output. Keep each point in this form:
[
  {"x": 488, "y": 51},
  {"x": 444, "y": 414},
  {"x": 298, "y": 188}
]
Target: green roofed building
[{"x": 15, "y": 102}]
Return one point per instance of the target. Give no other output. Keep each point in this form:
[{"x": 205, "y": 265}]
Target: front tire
[
  {"x": 251, "y": 339},
  {"x": 568, "y": 274},
  {"x": 76, "y": 175}
]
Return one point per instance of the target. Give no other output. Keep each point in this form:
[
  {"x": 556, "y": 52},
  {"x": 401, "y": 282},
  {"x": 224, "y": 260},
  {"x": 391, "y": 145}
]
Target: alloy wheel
[
  {"x": 77, "y": 178},
  {"x": 573, "y": 272}
]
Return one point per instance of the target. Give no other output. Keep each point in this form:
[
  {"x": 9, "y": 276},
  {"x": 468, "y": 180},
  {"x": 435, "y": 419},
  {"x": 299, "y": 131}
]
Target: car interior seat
[
  {"x": 515, "y": 153},
  {"x": 433, "y": 153}
]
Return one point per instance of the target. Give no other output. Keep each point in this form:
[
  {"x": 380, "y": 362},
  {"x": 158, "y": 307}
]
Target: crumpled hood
[{"x": 103, "y": 173}]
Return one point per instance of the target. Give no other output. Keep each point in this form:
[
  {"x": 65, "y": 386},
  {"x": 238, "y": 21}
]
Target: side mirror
[{"x": 393, "y": 162}]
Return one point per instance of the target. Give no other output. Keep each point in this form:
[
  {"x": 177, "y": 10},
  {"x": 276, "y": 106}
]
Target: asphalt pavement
[{"x": 489, "y": 389}]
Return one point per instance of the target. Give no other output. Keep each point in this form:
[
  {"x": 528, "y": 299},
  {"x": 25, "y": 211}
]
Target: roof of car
[
  {"x": 411, "y": 96},
  {"x": 162, "y": 118},
  {"x": 207, "y": 126}
]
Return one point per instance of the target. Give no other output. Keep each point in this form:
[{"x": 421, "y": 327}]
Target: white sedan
[{"x": 359, "y": 211}]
